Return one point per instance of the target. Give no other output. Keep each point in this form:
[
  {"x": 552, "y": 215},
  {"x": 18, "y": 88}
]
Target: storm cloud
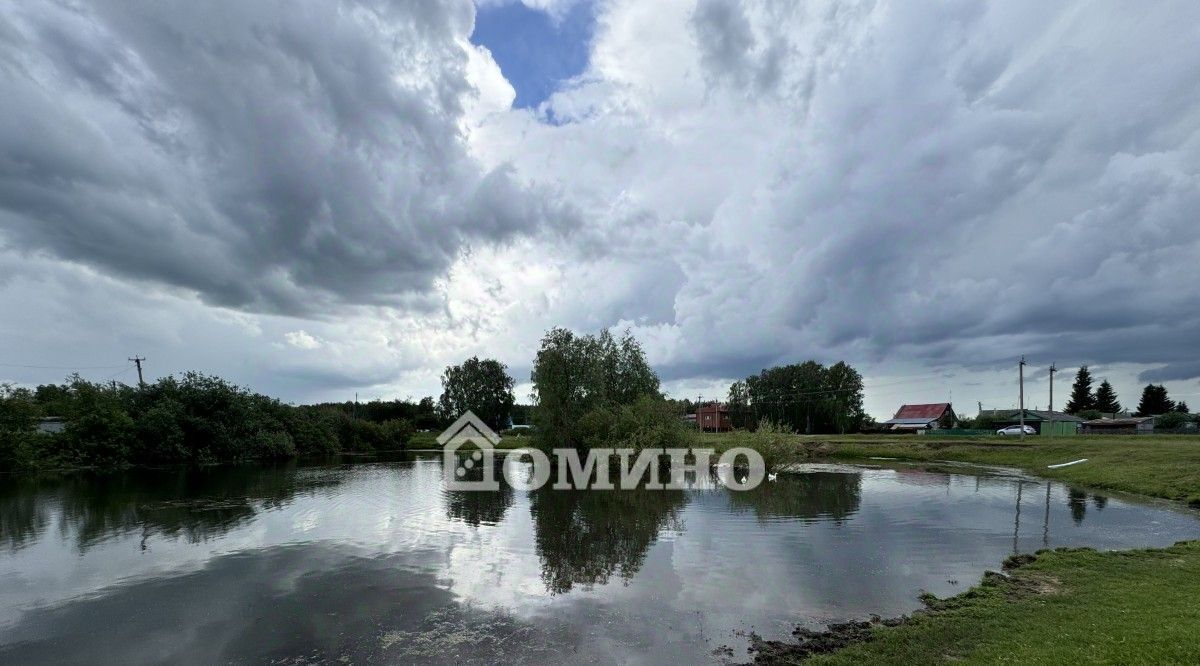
[
  {"x": 268, "y": 156},
  {"x": 928, "y": 189}
]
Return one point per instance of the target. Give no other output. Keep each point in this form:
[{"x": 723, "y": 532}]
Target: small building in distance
[
  {"x": 51, "y": 425},
  {"x": 713, "y": 417},
  {"x": 1040, "y": 420},
  {"x": 1134, "y": 425},
  {"x": 929, "y": 416}
]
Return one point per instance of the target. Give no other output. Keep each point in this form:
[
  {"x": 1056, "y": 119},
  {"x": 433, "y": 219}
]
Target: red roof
[{"x": 930, "y": 411}]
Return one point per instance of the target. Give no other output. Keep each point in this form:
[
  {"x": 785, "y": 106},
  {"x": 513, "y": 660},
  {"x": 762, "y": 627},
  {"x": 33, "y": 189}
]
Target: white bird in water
[{"x": 771, "y": 476}]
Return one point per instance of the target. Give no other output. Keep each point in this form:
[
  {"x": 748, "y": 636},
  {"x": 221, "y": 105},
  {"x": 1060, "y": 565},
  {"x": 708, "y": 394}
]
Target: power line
[
  {"x": 118, "y": 373},
  {"x": 61, "y": 367}
]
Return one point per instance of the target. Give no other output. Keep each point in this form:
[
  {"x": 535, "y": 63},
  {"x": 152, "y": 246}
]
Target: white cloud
[{"x": 301, "y": 340}]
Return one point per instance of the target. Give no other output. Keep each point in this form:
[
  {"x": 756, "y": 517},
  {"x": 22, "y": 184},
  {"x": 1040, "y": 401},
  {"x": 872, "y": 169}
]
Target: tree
[
  {"x": 574, "y": 375},
  {"x": 808, "y": 397},
  {"x": 1154, "y": 401},
  {"x": 1171, "y": 421},
  {"x": 1081, "y": 392},
  {"x": 843, "y": 403},
  {"x": 739, "y": 404},
  {"x": 480, "y": 385},
  {"x": 1182, "y": 407},
  {"x": 1106, "y": 399}
]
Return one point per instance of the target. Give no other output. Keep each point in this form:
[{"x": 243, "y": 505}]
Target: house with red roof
[{"x": 930, "y": 416}]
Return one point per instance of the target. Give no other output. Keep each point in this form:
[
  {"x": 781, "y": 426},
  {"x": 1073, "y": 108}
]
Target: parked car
[{"x": 1016, "y": 430}]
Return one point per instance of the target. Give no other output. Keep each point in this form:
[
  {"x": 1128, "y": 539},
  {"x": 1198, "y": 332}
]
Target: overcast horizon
[{"x": 322, "y": 199}]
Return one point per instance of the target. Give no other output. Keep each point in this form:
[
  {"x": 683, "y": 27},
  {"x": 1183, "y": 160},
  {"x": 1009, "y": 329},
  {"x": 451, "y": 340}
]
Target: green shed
[{"x": 1044, "y": 421}]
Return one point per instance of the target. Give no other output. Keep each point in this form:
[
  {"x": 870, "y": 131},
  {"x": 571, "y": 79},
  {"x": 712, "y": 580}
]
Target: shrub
[
  {"x": 649, "y": 423},
  {"x": 105, "y": 436},
  {"x": 396, "y": 432},
  {"x": 18, "y": 450},
  {"x": 776, "y": 444},
  {"x": 1172, "y": 421}
]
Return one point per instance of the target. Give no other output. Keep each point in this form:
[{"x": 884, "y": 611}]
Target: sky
[{"x": 320, "y": 199}]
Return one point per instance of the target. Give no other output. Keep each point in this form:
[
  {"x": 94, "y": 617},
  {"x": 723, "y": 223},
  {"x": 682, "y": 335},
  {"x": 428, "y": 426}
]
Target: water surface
[{"x": 377, "y": 562}]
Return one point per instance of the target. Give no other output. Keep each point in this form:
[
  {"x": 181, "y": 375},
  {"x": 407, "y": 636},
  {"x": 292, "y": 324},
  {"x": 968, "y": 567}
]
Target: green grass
[
  {"x": 428, "y": 440},
  {"x": 1165, "y": 466},
  {"x": 1066, "y": 607}
]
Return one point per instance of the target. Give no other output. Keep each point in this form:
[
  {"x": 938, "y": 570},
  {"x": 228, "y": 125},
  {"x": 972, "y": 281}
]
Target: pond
[{"x": 377, "y": 562}]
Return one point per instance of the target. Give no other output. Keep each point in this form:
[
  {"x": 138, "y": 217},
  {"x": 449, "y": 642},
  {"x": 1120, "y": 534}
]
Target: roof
[
  {"x": 1014, "y": 414},
  {"x": 1057, "y": 416},
  {"x": 711, "y": 407},
  {"x": 1119, "y": 422},
  {"x": 928, "y": 411},
  {"x": 909, "y": 421}
]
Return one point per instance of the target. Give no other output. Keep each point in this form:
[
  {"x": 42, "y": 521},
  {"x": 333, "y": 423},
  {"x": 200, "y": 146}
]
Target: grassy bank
[
  {"x": 1157, "y": 466},
  {"x": 1064, "y": 607},
  {"x": 428, "y": 440}
]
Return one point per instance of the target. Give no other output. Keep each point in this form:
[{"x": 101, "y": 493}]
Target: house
[
  {"x": 51, "y": 425},
  {"x": 713, "y": 417},
  {"x": 1044, "y": 421},
  {"x": 1136, "y": 425},
  {"x": 930, "y": 416}
]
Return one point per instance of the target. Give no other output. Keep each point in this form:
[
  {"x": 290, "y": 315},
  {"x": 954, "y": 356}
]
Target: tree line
[
  {"x": 805, "y": 397},
  {"x": 193, "y": 419},
  {"x": 588, "y": 390},
  {"x": 1086, "y": 403}
]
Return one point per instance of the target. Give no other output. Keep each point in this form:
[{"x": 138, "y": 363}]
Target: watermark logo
[
  {"x": 469, "y": 430},
  {"x": 738, "y": 468}
]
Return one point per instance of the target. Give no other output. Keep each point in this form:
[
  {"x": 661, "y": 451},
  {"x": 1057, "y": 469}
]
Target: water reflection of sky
[{"x": 377, "y": 560}]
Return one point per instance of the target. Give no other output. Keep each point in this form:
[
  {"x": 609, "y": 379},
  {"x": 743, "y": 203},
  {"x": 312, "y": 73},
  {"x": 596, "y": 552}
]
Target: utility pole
[
  {"x": 1053, "y": 370},
  {"x": 137, "y": 360},
  {"x": 1021, "y": 379}
]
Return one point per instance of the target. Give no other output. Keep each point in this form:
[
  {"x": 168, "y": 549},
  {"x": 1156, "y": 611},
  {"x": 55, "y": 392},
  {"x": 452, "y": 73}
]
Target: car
[{"x": 1016, "y": 430}]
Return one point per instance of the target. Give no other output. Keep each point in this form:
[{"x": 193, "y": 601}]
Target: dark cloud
[
  {"x": 946, "y": 191},
  {"x": 270, "y": 156},
  {"x": 1175, "y": 371}
]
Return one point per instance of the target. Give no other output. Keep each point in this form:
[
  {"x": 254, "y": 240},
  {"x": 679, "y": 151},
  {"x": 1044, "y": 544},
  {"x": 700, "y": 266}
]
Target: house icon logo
[{"x": 474, "y": 470}]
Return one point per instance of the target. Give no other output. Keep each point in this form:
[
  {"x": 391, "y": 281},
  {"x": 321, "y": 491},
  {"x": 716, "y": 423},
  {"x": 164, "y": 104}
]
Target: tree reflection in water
[
  {"x": 195, "y": 504},
  {"x": 1077, "y": 502},
  {"x": 804, "y": 496},
  {"x": 475, "y": 507},
  {"x": 584, "y": 537}
]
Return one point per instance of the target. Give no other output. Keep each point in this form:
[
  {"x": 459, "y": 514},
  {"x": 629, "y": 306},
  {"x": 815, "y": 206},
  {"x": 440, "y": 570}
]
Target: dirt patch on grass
[{"x": 808, "y": 642}]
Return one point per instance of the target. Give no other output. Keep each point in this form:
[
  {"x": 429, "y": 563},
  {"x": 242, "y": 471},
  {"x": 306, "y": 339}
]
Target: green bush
[
  {"x": 105, "y": 436},
  {"x": 776, "y": 444},
  {"x": 397, "y": 432},
  {"x": 18, "y": 450},
  {"x": 1172, "y": 421},
  {"x": 651, "y": 423}
]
